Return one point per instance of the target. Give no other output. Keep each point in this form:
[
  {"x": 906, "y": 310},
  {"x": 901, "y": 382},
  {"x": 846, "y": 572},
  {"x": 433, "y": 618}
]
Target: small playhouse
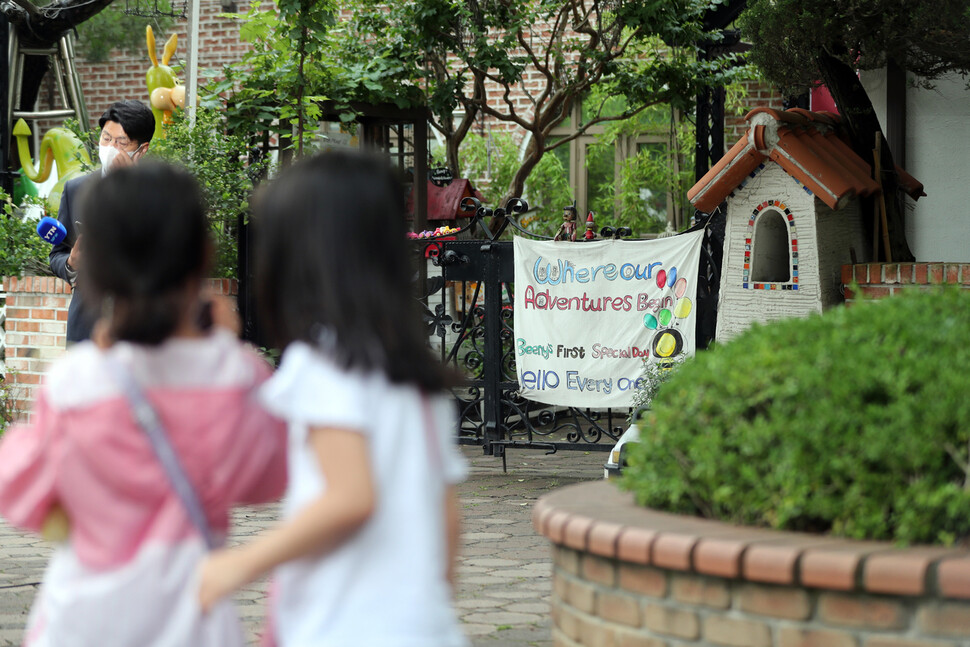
[
  {"x": 793, "y": 188},
  {"x": 444, "y": 202}
]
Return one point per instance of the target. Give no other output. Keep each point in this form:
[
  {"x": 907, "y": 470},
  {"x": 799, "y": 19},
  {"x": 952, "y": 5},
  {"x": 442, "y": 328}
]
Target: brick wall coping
[
  {"x": 42, "y": 284},
  {"x": 54, "y": 285},
  {"x": 596, "y": 517},
  {"x": 921, "y": 273}
]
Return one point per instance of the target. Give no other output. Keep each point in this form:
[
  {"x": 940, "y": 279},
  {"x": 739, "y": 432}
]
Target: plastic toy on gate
[
  {"x": 590, "y": 227},
  {"x": 60, "y": 146},
  {"x": 567, "y": 230},
  {"x": 164, "y": 91}
]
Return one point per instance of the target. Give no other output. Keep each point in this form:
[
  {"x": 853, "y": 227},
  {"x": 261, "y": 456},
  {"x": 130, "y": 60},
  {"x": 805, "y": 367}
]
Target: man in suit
[{"x": 126, "y": 132}]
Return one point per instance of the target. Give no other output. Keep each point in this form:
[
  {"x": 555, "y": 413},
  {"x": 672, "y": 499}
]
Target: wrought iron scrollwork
[
  {"x": 438, "y": 321},
  {"x": 493, "y": 412},
  {"x": 615, "y": 232}
]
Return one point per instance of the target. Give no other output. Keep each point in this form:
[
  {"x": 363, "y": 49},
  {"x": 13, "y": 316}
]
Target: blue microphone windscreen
[{"x": 51, "y": 230}]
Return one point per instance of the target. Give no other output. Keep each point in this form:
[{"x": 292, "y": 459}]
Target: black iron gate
[{"x": 470, "y": 315}]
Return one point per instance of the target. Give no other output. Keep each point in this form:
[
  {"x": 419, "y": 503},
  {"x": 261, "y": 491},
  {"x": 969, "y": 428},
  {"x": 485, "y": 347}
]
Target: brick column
[{"x": 36, "y": 330}]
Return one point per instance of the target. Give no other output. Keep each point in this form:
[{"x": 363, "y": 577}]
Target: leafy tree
[
  {"x": 218, "y": 160},
  {"x": 277, "y": 87},
  {"x": 552, "y": 52},
  {"x": 797, "y": 43},
  {"x": 490, "y": 162},
  {"x": 114, "y": 29},
  {"x": 446, "y": 54}
]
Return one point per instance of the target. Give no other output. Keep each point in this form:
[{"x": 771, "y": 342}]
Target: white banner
[{"x": 588, "y": 314}]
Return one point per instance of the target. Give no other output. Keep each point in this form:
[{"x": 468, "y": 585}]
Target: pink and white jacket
[{"x": 126, "y": 577}]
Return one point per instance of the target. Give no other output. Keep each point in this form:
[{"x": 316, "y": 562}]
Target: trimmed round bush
[{"x": 853, "y": 423}]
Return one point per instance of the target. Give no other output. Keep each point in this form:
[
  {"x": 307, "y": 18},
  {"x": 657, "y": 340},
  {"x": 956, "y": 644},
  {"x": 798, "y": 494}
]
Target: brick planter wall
[
  {"x": 626, "y": 576},
  {"x": 36, "y": 328},
  {"x": 878, "y": 280}
]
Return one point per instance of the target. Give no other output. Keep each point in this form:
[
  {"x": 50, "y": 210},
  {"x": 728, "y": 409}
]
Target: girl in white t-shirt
[{"x": 366, "y": 554}]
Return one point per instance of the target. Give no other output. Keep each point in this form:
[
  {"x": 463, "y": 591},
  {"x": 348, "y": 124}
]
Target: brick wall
[
  {"x": 625, "y": 576},
  {"x": 757, "y": 93},
  {"x": 877, "y": 280},
  {"x": 36, "y": 328}
]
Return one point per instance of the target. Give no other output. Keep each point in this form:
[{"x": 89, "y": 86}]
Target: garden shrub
[
  {"x": 22, "y": 251},
  {"x": 854, "y": 423}
]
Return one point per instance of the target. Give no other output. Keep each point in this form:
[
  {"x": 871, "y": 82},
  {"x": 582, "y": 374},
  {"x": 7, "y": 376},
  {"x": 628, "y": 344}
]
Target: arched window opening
[{"x": 771, "y": 249}]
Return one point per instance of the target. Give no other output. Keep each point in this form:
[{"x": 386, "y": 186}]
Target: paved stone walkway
[{"x": 504, "y": 574}]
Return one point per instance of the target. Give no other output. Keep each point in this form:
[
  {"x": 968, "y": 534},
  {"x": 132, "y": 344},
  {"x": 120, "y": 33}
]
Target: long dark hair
[
  {"x": 144, "y": 236},
  {"x": 333, "y": 270}
]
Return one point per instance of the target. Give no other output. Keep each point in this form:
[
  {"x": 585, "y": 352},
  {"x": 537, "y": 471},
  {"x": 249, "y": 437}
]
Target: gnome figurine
[
  {"x": 567, "y": 230},
  {"x": 590, "y": 227}
]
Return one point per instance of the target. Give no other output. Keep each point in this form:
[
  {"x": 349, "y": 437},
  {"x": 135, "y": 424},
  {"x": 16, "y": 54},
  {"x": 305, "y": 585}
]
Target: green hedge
[
  {"x": 21, "y": 250},
  {"x": 854, "y": 423}
]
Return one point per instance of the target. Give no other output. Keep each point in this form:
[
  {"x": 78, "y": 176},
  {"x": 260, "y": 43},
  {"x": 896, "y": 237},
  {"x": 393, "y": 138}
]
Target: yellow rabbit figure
[{"x": 164, "y": 90}]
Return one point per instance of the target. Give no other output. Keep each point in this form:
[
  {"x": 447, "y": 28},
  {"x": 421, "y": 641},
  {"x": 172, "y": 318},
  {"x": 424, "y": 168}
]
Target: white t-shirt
[{"x": 385, "y": 586}]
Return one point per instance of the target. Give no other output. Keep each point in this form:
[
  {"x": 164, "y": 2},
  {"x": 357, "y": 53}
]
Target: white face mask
[{"x": 107, "y": 155}]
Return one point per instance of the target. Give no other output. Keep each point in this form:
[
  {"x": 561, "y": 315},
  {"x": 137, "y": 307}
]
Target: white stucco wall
[
  {"x": 938, "y": 155},
  {"x": 738, "y": 307},
  {"x": 840, "y": 242}
]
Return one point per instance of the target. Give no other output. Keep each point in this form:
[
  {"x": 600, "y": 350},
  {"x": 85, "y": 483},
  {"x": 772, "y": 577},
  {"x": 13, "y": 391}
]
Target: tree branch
[{"x": 558, "y": 28}]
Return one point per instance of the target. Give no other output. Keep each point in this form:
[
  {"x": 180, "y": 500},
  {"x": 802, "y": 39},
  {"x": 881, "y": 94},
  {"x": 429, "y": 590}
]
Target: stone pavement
[{"x": 504, "y": 572}]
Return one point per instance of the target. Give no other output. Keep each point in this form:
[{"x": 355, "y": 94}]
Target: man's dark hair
[
  {"x": 135, "y": 118},
  {"x": 146, "y": 235}
]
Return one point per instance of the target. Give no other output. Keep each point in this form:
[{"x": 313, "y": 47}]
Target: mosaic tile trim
[
  {"x": 801, "y": 184},
  {"x": 744, "y": 182},
  {"x": 792, "y": 234}
]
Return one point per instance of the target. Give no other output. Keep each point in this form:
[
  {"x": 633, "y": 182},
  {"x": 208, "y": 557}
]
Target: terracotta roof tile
[
  {"x": 806, "y": 145},
  {"x": 807, "y": 162},
  {"x": 910, "y": 185},
  {"x": 730, "y": 171},
  {"x": 785, "y": 116},
  {"x": 857, "y": 172}
]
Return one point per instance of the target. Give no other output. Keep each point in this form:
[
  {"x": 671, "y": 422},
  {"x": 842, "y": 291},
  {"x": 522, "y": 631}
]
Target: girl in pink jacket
[{"x": 125, "y": 577}]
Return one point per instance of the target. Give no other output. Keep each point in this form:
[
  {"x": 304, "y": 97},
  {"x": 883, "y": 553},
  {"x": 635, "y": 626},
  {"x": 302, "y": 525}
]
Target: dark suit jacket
[{"x": 80, "y": 315}]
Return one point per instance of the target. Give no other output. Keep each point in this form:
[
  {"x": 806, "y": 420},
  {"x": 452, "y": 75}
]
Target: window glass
[
  {"x": 562, "y": 152},
  {"x": 655, "y": 118},
  {"x": 652, "y": 188}
]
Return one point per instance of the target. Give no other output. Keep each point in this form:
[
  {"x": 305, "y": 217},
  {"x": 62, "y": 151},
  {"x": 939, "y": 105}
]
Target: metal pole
[
  {"x": 702, "y": 141},
  {"x": 74, "y": 81},
  {"x": 492, "y": 417},
  {"x": 6, "y": 180},
  {"x": 192, "y": 62},
  {"x": 716, "y": 151}
]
